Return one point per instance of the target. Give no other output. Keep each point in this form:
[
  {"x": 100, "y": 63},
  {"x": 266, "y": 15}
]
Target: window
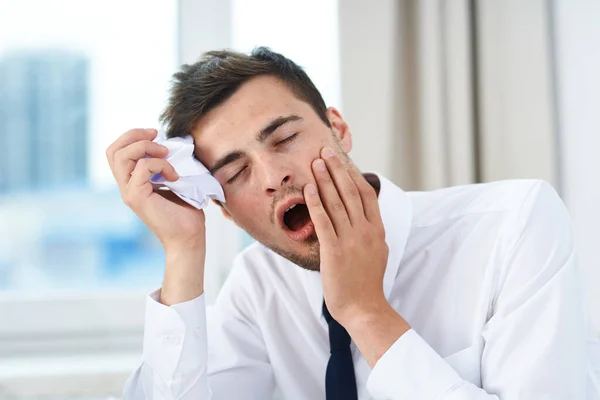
[
  {"x": 73, "y": 76},
  {"x": 75, "y": 262},
  {"x": 310, "y": 38}
]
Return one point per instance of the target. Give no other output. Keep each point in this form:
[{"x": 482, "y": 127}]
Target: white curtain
[
  {"x": 444, "y": 93},
  {"x": 441, "y": 93}
]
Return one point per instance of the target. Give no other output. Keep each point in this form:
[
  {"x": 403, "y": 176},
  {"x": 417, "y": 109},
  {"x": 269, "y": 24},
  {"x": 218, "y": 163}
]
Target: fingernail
[
  {"x": 320, "y": 165},
  {"x": 311, "y": 189},
  {"x": 151, "y": 130},
  {"x": 328, "y": 153}
]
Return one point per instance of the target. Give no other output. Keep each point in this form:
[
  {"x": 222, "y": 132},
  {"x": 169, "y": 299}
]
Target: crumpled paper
[{"x": 195, "y": 185}]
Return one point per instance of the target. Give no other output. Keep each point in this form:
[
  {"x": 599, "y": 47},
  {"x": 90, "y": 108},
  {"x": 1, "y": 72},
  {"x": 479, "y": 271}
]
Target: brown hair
[{"x": 200, "y": 87}]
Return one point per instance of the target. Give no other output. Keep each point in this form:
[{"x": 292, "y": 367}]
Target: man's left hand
[
  {"x": 347, "y": 220},
  {"x": 345, "y": 212}
]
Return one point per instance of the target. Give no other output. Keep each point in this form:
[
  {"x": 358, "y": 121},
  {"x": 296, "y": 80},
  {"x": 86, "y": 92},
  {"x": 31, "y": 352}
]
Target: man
[{"x": 355, "y": 289}]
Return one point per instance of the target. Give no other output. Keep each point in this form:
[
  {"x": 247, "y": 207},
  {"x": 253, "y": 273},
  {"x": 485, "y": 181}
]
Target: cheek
[
  {"x": 248, "y": 212},
  {"x": 300, "y": 158}
]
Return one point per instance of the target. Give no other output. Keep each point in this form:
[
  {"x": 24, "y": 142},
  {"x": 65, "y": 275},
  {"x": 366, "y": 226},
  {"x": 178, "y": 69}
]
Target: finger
[
  {"x": 368, "y": 195},
  {"x": 318, "y": 215},
  {"x": 330, "y": 197},
  {"x": 146, "y": 167},
  {"x": 129, "y": 137},
  {"x": 172, "y": 197},
  {"x": 345, "y": 185},
  {"x": 125, "y": 159}
]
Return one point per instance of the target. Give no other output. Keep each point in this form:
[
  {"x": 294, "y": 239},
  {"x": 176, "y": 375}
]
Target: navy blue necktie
[{"x": 340, "y": 382}]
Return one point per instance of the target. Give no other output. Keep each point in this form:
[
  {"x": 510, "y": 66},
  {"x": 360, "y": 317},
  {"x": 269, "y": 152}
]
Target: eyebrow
[
  {"x": 274, "y": 125},
  {"x": 223, "y": 161},
  {"x": 260, "y": 137}
]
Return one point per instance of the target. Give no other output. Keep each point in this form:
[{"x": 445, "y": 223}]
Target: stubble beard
[{"x": 312, "y": 260}]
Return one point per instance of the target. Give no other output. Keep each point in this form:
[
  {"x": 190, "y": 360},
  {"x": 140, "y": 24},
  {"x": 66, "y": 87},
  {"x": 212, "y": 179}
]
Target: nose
[{"x": 275, "y": 174}]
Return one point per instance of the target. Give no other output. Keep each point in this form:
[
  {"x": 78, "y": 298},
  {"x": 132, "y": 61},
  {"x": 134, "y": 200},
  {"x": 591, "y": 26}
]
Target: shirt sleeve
[
  {"x": 190, "y": 353},
  {"x": 174, "y": 357},
  {"x": 535, "y": 341}
]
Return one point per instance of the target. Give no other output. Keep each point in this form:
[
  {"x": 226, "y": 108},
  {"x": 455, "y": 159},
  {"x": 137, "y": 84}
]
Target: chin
[{"x": 308, "y": 257}]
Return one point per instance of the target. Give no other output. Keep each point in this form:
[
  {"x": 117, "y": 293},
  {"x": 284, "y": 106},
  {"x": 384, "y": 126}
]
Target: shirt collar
[{"x": 396, "y": 213}]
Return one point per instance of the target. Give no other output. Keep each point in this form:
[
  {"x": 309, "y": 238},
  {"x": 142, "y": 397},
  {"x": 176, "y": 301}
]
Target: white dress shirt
[{"x": 485, "y": 275}]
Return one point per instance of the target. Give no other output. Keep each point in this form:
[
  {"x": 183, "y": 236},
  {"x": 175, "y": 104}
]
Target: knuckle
[
  {"x": 128, "y": 199},
  {"x": 334, "y": 162},
  {"x": 325, "y": 222},
  {"x": 135, "y": 132},
  {"x": 147, "y": 143},
  {"x": 370, "y": 191},
  {"x": 138, "y": 148},
  {"x": 337, "y": 206},
  {"x": 164, "y": 165},
  {"x": 366, "y": 237},
  {"x": 143, "y": 163},
  {"x": 322, "y": 220},
  {"x": 152, "y": 146},
  {"x": 325, "y": 178},
  {"x": 118, "y": 155},
  {"x": 141, "y": 148},
  {"x": 315, "y": 202},
  {"x": 322, "y": 214},
  {"x": 353, "y": 191},
  {"x": 134, "y": 135}
]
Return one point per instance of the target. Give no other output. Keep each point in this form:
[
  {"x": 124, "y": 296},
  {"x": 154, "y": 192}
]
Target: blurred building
[
  {"x": 43, "y": 118},
  {"x": 75, "y": 238},
  {"x": 55, "y": 231}
]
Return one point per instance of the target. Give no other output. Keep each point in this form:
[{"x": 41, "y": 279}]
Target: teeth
[{"x": 291, "y": 208}]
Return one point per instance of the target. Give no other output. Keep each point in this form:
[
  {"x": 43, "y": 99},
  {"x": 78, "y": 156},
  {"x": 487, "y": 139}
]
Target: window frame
[{"x": 46, "y": 328}]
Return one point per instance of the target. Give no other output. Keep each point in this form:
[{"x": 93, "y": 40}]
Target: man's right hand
[{"x": 133, "y": 159}]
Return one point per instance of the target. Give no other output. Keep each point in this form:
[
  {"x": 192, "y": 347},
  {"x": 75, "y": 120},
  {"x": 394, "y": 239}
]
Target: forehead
[{"x": 237, "y": 121}]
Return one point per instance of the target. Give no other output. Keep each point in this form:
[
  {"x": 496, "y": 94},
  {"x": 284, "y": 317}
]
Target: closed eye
[
  {"x": 288, "y": 139},
  {"x": 233, "y": 178}
]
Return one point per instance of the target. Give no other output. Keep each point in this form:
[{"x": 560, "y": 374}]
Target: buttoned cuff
[
  {"x": 411, "y": 369},
  {"x": 175, "y": 336}
]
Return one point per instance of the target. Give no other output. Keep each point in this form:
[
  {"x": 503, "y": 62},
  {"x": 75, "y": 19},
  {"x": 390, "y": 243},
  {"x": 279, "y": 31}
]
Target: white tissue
[{"x": 195, "y": 185}]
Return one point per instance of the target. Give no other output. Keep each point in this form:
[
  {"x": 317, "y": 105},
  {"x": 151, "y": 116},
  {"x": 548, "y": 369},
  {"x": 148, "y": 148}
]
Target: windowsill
[
  {"x": 98, "y": 375},
  {"x": 71, "y": 323},
  {"x": 69, "y": 345}
]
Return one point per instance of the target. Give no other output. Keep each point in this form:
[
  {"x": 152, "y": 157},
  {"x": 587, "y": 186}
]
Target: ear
[
  {"x": 224, "y": 211},
  {"x": 340, "y": 128}
]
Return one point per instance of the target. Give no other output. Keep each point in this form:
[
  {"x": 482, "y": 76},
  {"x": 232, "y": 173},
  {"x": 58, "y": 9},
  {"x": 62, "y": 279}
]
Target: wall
[{"x": 577, "y": 35}]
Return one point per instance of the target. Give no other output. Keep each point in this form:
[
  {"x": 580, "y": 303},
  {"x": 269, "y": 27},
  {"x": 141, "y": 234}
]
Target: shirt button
[
  {"x": 173, "y": 340},
  {"x": 198, "y": 331}
]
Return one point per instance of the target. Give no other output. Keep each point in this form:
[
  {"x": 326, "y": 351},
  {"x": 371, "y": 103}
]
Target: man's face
[{"x": 260, "y": 144}]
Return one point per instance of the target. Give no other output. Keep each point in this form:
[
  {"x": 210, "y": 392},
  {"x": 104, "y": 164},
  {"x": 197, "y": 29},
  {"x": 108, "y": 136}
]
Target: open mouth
[{"x": 296, "y": 217}]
